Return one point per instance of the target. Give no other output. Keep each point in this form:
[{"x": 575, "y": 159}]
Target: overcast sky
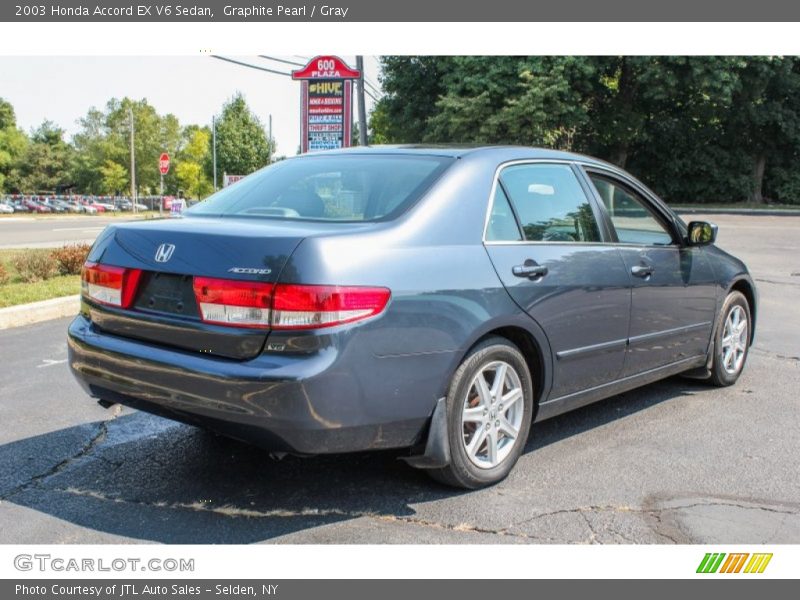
[{"x": 193, "y": 88}]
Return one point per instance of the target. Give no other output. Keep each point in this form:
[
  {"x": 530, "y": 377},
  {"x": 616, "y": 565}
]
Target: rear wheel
[
  {"x": 489, "y": 410},
  {"x": 731, "y": 340}
]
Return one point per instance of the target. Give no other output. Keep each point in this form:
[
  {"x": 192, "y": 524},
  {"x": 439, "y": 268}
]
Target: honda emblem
[{"x": 164, "y": 252}]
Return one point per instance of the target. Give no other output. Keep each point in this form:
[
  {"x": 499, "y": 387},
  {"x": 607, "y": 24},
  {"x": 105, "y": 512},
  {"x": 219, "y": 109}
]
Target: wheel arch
[
  {"x": 748, "y": 290},
  {"x": 526, "y": 335}
]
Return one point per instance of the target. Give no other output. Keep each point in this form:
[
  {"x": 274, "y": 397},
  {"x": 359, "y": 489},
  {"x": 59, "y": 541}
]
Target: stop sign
[{"x": 163, "y": 163}]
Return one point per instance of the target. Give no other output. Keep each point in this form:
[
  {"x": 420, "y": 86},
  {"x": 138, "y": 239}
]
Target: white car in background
[{"x": 6, "y": 209}]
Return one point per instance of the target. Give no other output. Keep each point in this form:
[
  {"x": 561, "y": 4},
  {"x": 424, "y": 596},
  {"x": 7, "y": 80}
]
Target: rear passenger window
[
  {"x": 633, "y": 222},
  {"x": 550, "y": 203}
]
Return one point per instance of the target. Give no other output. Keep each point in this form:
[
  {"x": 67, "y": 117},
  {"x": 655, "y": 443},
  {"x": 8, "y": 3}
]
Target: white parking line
[
  {"x": 78, "y": 229},
  {"x": 49, "y": 362}
]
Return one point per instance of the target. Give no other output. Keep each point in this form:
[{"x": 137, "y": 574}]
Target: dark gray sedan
[{"x": 437, "y": 300}]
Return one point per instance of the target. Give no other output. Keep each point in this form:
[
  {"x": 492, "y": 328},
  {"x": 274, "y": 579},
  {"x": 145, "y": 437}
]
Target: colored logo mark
[{"x": 735, "y": 562}]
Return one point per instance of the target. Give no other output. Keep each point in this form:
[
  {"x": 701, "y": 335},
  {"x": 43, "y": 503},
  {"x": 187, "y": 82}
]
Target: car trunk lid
[{"x": 170, "y": 253}]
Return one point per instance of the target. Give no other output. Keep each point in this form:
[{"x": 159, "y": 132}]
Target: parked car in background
[
  {"x": 6, "y": 208},
  {"x": 437, "y": 300},
  {"x": 54, "y": 205},
  {"x": 124, "y": 204},
  {"x": 36, "y": 206},
  {"x": 19, "y": 206}
]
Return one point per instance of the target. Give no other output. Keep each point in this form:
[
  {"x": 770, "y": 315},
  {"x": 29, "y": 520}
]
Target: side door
[
  {"x": 547, "y": 242},
  {"x": 673, "y": 298}
]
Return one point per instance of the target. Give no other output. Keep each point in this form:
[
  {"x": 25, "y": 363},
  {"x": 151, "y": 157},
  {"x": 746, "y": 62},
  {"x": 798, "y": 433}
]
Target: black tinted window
[
  {"x": 330, "y": 188},
  {"x": 550, "y": 203}
]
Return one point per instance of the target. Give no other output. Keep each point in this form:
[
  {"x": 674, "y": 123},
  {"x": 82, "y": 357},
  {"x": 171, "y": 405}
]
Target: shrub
[
  {"x": 4, "y": 276},
  {"x": 70, "y": 258},
  {"x": 34, "y": 266}
]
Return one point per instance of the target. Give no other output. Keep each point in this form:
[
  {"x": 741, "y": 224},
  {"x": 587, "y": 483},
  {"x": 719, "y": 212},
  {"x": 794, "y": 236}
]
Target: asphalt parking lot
[{"x": 675, "y": 462}]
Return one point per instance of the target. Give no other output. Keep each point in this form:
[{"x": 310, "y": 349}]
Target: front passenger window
[{"x": 634, "y": 223}]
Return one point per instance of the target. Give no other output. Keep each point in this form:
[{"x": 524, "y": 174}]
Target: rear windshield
[{"x": 329, "y": 188}]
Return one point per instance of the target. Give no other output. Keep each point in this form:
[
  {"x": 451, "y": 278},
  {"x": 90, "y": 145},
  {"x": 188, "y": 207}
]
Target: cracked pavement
[{"x": 674, "y": 462}]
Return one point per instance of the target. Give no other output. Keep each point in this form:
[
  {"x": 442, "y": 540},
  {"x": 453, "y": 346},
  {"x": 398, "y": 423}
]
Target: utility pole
[
  {"x": 214, "y": 147},
  {"x": 271, "y": 149},
  {"x": 362, "y": 105},
  {"x": 133, "y": 163}
]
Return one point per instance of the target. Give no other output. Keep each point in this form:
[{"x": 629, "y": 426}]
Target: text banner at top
[{"x": 406, "y": 11}]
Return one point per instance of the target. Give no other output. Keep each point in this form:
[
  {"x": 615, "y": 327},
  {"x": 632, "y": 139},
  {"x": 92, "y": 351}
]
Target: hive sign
[{"x": 326, "y": 109}]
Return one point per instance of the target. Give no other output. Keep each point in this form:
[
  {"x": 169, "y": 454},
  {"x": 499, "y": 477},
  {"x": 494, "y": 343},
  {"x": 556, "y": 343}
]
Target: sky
[{"x": 193, "y": 88}]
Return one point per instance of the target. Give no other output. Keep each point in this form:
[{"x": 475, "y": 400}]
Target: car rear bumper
[{"x": 309, "y": 404}]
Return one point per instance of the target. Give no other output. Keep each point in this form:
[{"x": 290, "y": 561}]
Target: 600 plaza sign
[{"x": 326, "y": 106}]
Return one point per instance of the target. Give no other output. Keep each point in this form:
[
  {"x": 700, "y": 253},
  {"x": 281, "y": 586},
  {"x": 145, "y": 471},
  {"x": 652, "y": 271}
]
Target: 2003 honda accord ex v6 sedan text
[{"x": 434, "y": 299}]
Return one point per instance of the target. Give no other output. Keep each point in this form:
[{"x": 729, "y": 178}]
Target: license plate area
[{"x": 167, "y": 293}]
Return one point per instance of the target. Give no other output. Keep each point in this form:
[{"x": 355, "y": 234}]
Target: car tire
[
  {"x": 480, "y": 426},
  {"x": 731, "y": 340}
]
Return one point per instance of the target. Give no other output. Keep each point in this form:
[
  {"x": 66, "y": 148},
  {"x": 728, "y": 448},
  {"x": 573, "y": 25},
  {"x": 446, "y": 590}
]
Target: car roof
[{"x": 501, "y": 153}]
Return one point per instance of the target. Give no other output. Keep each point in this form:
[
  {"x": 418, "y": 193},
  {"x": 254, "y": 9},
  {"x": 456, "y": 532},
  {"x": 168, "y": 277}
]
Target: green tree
[
  {"x": 412, "y": 86},
  {"x": 115, "y": 178},
  {"x": 43, "y": 166},
  {"x": 189, "y": 169},
  {"x": 105, "y": 136},
  {"x": 242, "y": 146},
  {"x": 765, "y": 117},
  {"x": 13, "y": 142}
]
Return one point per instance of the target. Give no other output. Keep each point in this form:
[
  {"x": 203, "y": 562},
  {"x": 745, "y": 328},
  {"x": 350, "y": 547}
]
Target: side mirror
[{"x": 701, "y": 233}]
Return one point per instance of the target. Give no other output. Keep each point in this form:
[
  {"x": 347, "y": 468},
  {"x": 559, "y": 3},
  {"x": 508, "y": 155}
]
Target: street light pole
[
  {"x": 362, "y": 105},
  {"x": 214, "y": 148},
  {"x": 133, "y": 162}
]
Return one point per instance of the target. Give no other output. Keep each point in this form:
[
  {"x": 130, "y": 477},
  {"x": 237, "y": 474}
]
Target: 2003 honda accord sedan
[{"x": 434, "y": 299}]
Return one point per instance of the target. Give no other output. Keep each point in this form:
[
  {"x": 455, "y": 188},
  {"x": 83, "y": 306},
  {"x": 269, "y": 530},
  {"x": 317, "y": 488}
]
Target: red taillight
[
  {"x": 312, "y": 306},
  {"x": 231, "y": 302},
  {"x": 282, "y": 306},
  {"x": 115, "y": 286}
]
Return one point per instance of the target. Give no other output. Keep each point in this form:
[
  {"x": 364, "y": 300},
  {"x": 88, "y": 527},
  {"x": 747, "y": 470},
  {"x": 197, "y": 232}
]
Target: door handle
[
  {"x": 530, "y": 270},
  {"x": 643, "y": 271}
]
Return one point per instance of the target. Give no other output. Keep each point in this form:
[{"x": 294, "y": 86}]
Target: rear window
[{"x": 328, "y": 188}]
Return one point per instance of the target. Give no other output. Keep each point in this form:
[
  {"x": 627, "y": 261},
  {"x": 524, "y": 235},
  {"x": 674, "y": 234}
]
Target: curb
[
  {"x": 759, "y": 212},
  {"x": 36, "y": 312}
]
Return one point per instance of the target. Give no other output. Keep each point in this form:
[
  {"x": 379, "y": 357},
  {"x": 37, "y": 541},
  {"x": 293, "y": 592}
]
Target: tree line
[
  {"x": 96, "y": 160},
  {"x": 694, "y": 128}
]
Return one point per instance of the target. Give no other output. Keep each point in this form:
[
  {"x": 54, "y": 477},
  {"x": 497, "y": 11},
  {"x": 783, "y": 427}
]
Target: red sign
[
  {"x": 326, "y": 103},
  {"x": 326, "y": 67},
  {"x": 163, "y": 163}
]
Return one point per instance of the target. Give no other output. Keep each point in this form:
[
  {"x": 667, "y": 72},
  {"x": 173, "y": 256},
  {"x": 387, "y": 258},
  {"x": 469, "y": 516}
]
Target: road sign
[
  {"x": 326, "y": 103},
  {"x": 229, "y": 179},
  {"x": 163, "y": 163}
]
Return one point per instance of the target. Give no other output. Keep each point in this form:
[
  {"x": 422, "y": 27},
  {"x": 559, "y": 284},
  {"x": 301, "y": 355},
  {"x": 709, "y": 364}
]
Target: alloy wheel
[
  {"x": 734, "y": 340},
  {"x": 492, "y": 413}
]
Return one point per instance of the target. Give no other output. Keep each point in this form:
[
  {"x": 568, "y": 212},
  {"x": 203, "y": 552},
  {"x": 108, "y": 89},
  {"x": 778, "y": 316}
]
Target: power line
[
  {"x": 243, "y": 64},
  {"x": 281, "y": 60},
  {"x": 377, "y": 91},
  {"x": 373, "y": 86}
]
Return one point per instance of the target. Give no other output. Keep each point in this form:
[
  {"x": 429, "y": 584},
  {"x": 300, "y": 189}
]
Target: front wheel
[
  {"x": 731, "y": 340},
  {"x": 489, "y": 412}
]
